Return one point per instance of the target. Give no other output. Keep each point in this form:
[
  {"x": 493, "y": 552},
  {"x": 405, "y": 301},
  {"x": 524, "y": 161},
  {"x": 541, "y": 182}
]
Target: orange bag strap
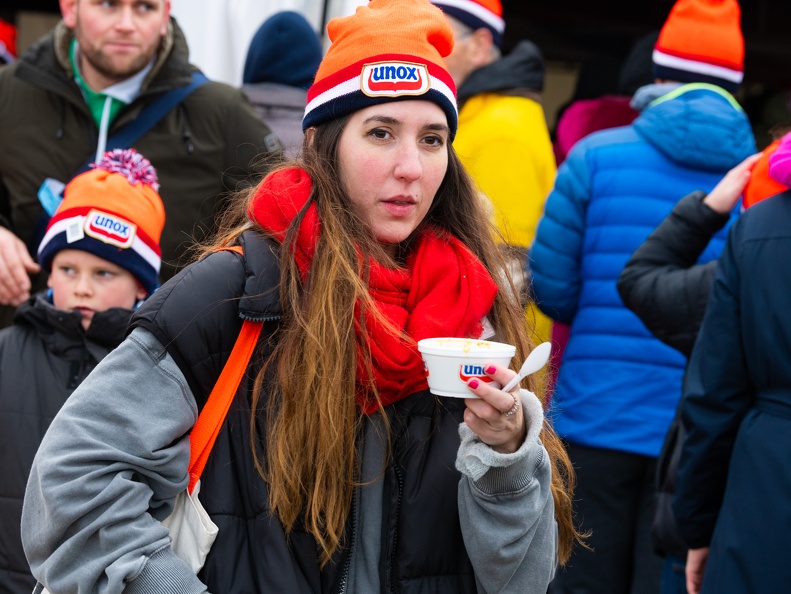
[
  {"x": 232, "y": 248},
  {"x": 212, "y": 416}
]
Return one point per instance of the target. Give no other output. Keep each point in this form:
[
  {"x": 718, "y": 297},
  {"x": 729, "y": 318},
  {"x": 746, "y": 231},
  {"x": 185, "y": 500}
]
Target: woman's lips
[{"x": 399, "y": 207}]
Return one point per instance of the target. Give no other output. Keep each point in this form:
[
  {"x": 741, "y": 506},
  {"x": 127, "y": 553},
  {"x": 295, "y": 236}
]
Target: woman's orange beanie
[{"x": 388, "y": 50}]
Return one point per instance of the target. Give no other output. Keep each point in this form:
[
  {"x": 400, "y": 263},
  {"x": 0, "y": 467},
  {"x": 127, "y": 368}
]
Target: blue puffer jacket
[{"x": 618, "y": 386}]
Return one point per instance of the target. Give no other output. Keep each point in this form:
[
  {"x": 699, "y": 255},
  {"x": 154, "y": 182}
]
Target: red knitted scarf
[{"x": 443, "y": 290}]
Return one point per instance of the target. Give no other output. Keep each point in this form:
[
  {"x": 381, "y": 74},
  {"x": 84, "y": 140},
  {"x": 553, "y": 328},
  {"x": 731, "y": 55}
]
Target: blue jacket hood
[
  {"x": 285, "y": 50},
  {"x": 699, "y": 126}
]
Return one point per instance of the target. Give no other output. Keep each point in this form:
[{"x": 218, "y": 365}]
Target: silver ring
[{"x": 517, "y": 404}]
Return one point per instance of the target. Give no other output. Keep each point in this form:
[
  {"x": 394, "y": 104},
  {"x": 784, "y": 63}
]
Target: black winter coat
[
  {"x": 251, "y": 553},
  {"x": 734, "y": 474},
  {"x": 662, "y": 283},
  {"x": 668, "y": 291},
  {"x": 43, "y": 357}
]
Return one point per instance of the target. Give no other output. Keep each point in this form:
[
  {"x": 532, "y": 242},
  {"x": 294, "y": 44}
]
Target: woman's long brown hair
[{"x": 307, "y": 402}]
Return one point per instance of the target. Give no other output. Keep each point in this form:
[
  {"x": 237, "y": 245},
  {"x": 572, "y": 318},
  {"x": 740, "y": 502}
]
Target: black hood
[{"x": 522, "y": 69}]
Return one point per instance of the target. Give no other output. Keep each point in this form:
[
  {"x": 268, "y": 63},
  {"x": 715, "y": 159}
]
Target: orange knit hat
[
  {"x": 477, "y": 14},
  {"x": 702, "y": 41},
  {"x": 388, "y": 50},
  {"x": 761, "y": 185},
  {"x": 112, "y": 211}
]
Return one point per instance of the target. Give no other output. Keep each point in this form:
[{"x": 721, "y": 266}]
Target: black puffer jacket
[
  {"x": 43, "y": 357},
  {"x": 662, "y": 284},
  {"x": 251, "y": 553},
  {"x": 669, "y": 292}
]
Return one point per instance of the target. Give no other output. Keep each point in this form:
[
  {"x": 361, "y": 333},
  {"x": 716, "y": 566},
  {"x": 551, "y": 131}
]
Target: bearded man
[{"x": 117, "y": 67}]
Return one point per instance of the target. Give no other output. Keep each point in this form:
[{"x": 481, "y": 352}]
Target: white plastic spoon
[{"x": 537, "y": 358}]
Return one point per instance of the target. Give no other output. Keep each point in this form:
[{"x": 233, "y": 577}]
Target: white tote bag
[{"x": 192, "y": 532}]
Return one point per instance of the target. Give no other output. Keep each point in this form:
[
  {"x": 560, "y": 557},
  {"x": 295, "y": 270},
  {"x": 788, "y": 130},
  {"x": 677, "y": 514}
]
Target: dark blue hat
[{"x": 285, "y": 50}]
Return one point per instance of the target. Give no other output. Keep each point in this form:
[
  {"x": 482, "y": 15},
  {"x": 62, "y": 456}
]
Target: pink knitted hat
[{"x": 780, "y": 162}]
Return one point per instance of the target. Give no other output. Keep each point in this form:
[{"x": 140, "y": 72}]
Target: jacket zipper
[
  {"x": 394, "y": 542},
  {"x": 344, "y": 580},
  {"x": 261, "y": 318}
]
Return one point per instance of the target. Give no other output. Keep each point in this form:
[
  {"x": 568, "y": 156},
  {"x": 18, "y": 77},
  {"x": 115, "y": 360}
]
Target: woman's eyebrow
[
  {"x": 382, "y": 119},
  {"x": 439, "y": 127}
]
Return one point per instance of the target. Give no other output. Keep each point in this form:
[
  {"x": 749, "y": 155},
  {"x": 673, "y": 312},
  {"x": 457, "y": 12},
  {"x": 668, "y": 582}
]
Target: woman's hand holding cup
[{"x": 496, "y": 416}]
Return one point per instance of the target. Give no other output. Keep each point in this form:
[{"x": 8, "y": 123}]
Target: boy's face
[{"x": 86, "y": 283}]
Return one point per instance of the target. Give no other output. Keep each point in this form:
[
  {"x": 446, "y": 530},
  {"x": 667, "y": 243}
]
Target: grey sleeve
[
  {"x": 506, "y": 510},
  {"x": 107, "y": 471}
]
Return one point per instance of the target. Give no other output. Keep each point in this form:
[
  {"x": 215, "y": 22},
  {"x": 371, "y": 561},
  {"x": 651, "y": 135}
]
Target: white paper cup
[{"x": 450, "y": 362}]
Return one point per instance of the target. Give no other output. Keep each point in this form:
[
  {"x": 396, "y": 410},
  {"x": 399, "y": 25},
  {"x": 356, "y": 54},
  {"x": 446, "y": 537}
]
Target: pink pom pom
[
  {"x": 131, "y": 164},
  {"x": 780, "y": 162}
]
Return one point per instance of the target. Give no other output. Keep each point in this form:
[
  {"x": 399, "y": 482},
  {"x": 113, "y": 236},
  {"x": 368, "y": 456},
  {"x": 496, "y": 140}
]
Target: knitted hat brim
[
  {"x": 350, "y": 89},
  {"x": 684, "y": 69},
  {"x": 131, "y": 249}
]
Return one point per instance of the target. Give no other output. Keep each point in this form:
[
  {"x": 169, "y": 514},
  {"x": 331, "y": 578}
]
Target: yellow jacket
[{"x": 504, "y": 143}]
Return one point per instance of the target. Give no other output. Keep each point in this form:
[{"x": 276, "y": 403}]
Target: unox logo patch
[
  {"x": 110, "y": 229},
  {"x": 394, "y": 79},
  {"x": 467, "y": 372}
]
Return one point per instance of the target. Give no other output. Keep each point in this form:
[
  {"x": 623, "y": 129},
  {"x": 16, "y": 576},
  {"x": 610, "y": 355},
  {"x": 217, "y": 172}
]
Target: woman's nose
[{"x": 409, "y": 166}]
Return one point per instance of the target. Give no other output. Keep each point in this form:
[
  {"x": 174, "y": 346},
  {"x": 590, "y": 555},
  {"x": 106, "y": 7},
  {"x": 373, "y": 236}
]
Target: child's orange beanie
[
  {"x": 112, "y": 211},
  {"x": 388, "y": 50},
  {"x": 702, "y": 41}
]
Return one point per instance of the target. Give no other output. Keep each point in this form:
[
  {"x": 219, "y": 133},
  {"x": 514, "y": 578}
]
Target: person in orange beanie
[
  {"x": 114, "y": 212},
  {"x": 335, "y": 468},
  {"x": 102, "y": 252}
]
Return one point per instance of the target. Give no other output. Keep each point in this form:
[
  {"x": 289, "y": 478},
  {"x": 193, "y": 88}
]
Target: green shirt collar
[{"x": 96, "y": 100}]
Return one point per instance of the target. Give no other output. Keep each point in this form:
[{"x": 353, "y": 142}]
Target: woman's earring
[
  {"x": 49, "y": 295},
  {"x": 139, "y": 303}
]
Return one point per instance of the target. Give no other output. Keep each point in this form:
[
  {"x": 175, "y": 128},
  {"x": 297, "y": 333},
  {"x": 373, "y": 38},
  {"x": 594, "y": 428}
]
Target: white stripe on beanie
[
  {"x": 668, "y": 61},
  {"x": 475, "y": 9},
  {"x": 352, "y": 85},
  {"x": 138, "y": 245}
]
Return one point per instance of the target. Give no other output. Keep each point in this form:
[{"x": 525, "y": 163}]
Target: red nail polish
[
  {"x": 491, "y": 369},
  {"x": 473, "y": 383}
]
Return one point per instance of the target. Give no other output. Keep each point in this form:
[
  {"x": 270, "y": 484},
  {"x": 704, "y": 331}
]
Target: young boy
[{"x": 102, "y": 251}]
